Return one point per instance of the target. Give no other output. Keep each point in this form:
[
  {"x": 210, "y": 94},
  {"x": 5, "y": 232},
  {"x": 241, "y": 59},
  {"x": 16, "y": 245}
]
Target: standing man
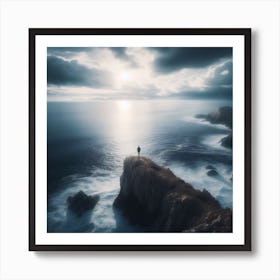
[{"x": 138, "y": 151}]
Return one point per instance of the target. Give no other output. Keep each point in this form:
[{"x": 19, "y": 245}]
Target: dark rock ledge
[
  {"x": 222, "y": 116},
  {"x": 153, "y": 197}
]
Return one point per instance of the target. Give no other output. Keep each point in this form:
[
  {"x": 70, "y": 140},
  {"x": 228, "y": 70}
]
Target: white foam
[{"x": 219, "y": 186}]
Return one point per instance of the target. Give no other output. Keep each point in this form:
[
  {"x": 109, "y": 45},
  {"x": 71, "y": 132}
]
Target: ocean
[{"x": 88, "y": 141}]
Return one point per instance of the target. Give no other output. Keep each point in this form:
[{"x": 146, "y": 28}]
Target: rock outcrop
[
  {"x": 227, "y": 141},
  {"x": 80, "y": 203},
  {"x": 222, "y": 116},
  {"x": 153, "y": 197},
  {"x": 212, "y": 173}
]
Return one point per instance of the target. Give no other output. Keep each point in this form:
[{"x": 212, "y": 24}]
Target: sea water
[{"x": 88, "y": 141}]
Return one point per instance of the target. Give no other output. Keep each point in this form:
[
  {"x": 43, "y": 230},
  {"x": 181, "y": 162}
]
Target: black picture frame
[{"x": 246, "y": 32}]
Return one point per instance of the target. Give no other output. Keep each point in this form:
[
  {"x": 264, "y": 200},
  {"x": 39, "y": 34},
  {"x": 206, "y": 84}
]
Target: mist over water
[{"x": 87, "y": 143}]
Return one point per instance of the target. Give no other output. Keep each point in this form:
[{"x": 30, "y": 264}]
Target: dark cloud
[
  {"x": 173, "y": 59},
  {"x": 65, "y": 69},
  {"x": 209, "y": 93},
  {"x": 67, "y": 52},
  {"x": 71, "y": 73},
  {"x": 119, "y": 52},
  {"x": 72, "y": 52},
  {"x": 218, "y": 86},
  {"x": 222, "y": 75}
]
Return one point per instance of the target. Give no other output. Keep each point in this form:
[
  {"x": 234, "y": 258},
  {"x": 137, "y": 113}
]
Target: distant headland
[{"x": 222, "y": 116}]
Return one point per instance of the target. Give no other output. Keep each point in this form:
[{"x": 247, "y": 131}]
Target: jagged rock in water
[
  {"x": 227, "y": 141},
  {"x": 212, "y": 173},
  {"x": 153, "y": 197},
  {"x": 80, "y": 203}
]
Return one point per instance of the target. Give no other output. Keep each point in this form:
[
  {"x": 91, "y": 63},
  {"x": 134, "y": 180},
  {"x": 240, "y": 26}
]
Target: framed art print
[{"x": 140, "y": 139}]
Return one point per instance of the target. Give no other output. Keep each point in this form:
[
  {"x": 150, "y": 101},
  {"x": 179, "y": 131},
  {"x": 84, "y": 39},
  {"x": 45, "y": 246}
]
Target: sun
[
  {"x": 123, "y": 105},
  {"x": 125, "y": 76}
]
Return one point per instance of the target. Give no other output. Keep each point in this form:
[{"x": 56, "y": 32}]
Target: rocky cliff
[
  {"x": 153, "y": 197},
  {"x": 222, "y": 116}
]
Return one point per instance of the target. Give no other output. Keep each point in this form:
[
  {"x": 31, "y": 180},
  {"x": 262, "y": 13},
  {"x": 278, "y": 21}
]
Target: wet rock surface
[{"x": 81, "y": 203}]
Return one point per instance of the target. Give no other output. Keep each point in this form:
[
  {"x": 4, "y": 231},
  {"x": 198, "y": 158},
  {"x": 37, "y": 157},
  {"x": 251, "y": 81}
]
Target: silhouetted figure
[{"x": 138, "y": 151}]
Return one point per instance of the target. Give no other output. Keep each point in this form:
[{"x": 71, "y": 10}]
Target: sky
[{"x": 88, "y": 74}]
